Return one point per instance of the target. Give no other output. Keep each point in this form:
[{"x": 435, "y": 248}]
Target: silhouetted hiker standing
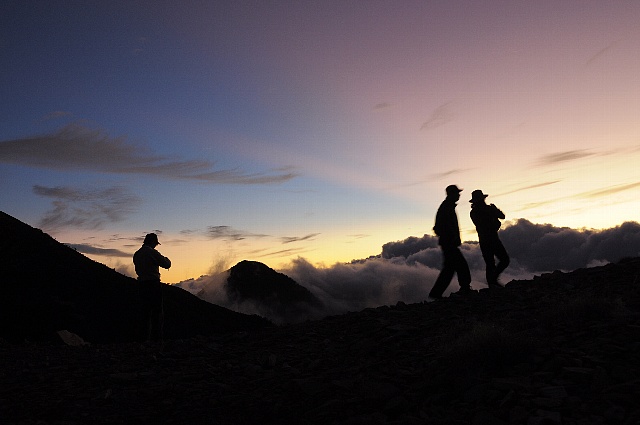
[
  {"x": 147, "y": 262},
  {"x": 448, "y": 231},
  {"x": 487, "y": 221}
]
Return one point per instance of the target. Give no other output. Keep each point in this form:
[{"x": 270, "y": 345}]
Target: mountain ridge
[
  {"x": 561, "y": 348},
  {"x": 48, "y": 286}
]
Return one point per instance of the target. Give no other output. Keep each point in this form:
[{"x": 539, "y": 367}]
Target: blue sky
[{"x": 276, "y": 130}]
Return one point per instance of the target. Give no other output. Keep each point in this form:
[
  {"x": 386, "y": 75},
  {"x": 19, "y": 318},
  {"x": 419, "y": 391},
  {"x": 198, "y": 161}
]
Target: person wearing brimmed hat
[
  {"x": 487, "y": 220},
  {"x": 147, "y": 261},
  {"x": 448, "y": 231}
]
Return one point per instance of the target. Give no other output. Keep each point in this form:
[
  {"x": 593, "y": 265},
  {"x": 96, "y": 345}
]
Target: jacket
[
  {"x": 486, "y": 218},
  {"x": 447, "y": 227},
  {"x": 147, "y": 262}
]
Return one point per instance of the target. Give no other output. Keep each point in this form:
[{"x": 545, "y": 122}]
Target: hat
[
  {"x": 453, "y": 189},
  {"x": 151, "y": 238},
  {"x": 477, "y": 195}
]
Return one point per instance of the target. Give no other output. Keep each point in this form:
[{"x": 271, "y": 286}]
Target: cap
[
  {"x": 453, "y": 189},
  {"x": 151, "y": 238},
  {"x": 477, "y": 195}
]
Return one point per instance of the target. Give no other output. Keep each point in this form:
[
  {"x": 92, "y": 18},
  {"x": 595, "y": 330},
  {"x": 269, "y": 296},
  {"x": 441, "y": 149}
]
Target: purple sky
[{"x": 315, "y": 129}]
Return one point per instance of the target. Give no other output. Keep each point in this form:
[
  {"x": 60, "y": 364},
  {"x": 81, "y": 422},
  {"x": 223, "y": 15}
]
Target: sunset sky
[{"x": 272, "y": 130}]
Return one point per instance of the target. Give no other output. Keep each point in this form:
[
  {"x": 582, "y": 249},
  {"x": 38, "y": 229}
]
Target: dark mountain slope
[
  {"x": 46, "y": 286},
  {"x": 271, "y": 294},
  {"x": 562, "y": 348}
]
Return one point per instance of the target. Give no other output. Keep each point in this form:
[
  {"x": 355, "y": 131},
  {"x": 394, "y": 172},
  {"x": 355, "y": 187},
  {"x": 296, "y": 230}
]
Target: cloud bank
[
  {"x": 406, "y": 270},
  {"x": 76, "y": 147}
]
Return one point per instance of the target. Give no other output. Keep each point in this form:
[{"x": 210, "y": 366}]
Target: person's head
[
  {"x": 453, "y": 192},
  {"x": 151, "y": 239},
  {"x": 477, "y": 197}
]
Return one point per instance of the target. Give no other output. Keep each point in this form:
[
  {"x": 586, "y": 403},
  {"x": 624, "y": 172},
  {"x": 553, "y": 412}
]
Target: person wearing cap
[
  {"x": 487, "y": 220},
  {"x": 448, "y": 231},
  {"x": 147, "y": 261}
]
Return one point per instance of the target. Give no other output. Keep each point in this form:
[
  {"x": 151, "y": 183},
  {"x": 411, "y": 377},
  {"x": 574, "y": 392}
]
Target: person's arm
[
  {"x": 161, "y": 260},
  {"x": 497, "y": 211}
]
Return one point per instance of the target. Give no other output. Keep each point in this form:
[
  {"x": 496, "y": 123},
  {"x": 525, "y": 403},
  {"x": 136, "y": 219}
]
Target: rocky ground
[{"x": 560, "y": 349}]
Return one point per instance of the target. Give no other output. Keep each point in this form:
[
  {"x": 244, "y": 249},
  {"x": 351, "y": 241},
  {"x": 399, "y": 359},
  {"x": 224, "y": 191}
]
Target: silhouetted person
[
  {"x": 147, "y": 262},
  {"x": 448, "y": 231},
  {"x": 487, "y": 220}
]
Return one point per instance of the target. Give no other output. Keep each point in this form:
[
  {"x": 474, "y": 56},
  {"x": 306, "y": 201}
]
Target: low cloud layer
[
  {"x": 406, "y": 270},
  {"x": 76, "y": 147},
  {"x": 543, "y": 247},
  {"x": 533, "y": 248}
]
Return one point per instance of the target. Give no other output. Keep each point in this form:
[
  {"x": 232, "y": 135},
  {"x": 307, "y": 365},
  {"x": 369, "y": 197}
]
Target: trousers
[
  {"x": 453, "y": 263},
  {"x": 492, "y": 248},
  {"x": 152, "y": 306}
]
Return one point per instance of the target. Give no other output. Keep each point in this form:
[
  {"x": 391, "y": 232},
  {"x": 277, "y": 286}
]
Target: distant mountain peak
[
  {"x": 274, "y": 294},
  {"x": 255, "y": 280}
]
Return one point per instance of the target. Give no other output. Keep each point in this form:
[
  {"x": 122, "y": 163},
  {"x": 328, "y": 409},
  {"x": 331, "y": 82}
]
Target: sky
[{"x": 311, "y": 132}]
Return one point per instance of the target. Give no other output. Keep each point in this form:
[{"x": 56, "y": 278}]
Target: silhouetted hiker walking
[
  {"x": 147, "y": 262},
  {"x": 487, "y": 220},
  {"x": 448, "y": 231}
]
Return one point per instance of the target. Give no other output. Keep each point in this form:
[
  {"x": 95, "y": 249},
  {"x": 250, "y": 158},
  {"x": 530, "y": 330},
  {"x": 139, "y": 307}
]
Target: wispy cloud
[
  {"x": 433, "y": 177},
  {"x": 445, "y": 174},
  {"x": 440, "y": 116},
  {"x": 229, "y": 233},
  {"x": 533, "y": 186},
  {"x": 285, "y": 252},
  {"x": 602, "y": 52},
  {"x": 55, "y": 115},
  {"x": 290, "y": 239},
  {"x": 608, "y": 191},
  {"x": 565, "y": 156},
  {"x": 76, "y": 147},
  {"x": 86, "y": 208},
  {"x": 382, "y": 105},
  {"x": 93, "y": 250},
  {"x": 592, "y": 194}
]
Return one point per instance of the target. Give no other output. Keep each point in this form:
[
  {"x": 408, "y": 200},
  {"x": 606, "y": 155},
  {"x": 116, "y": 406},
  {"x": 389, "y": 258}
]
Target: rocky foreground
[{"x": 560, "y": 349}]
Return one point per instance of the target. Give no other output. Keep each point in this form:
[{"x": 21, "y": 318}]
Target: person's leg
[
  {"x": 503, "y": 257},
  {"x": 486, "y": 247},
  {"x": 155, "y": 299},
  {"x": 144, "y": 311},
  {"x": 445, "y": 276},
  {"x": 161, "y": 311},
  {"x": 462, "y": 270}
]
